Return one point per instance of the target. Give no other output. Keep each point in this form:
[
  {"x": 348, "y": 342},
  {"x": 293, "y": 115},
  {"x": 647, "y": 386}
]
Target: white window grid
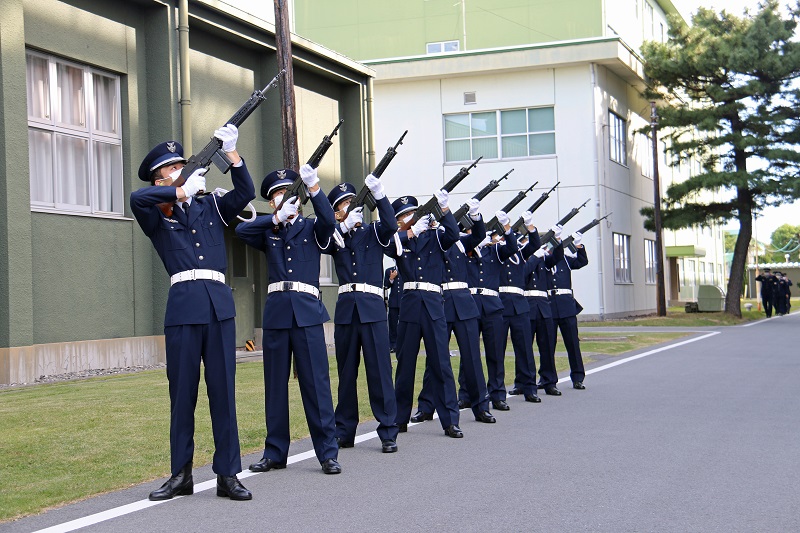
[
  {"x": 622, "y": 258},
  {"x": 650, "y": 262},
  {"x": 84, "y": 130},
  {"x": 617, "y": 138},
  {"x": 647, "y": 156},
  {"x": 442, "y": 47},
  {"x": 499, "y": 135}
]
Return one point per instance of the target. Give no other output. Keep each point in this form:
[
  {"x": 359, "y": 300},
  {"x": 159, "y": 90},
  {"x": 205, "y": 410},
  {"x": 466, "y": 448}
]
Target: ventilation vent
[{"x": 470, "y": 98}]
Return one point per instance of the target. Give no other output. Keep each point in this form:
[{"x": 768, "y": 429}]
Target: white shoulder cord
[{"x": 220, "y": 192}]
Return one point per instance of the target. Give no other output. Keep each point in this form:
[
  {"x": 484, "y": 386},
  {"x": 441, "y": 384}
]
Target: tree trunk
[{"x": 733, "y": 304}]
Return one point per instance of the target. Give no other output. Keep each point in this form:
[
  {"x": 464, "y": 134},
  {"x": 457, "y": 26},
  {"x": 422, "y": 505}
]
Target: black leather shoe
[
  {"x": 388, "y": 446},
  {"x": 552, "y": 390},
  {"x": 485, "y": 417},
  {"x": 344, "y": 443},
  {"x": 231, "y": 487},
  {"x": 265, "y": 465},
  {"x": 500, "y": 405},
  {"x": 421, "y": 416},
  {"x": 454, "y": 432},
  {"x": 402, "y": 428},
  {"x": 514, "y": 392},
  {"x": 578, "y": 385},
  {"x": 464, "y": 404},
  {"x": 330, "y": 466},
  {"x": 532, "y": 398},
  {"x": 181, "y": 484}
]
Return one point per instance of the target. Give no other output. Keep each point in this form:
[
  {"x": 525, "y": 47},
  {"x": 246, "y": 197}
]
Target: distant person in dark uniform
[
  {"x": 360, "y": 317},
  {"x": 565, "y": 308},
  {"x": 394, "y": 284},
  {"x": 769, "y": 289},
  {"x": 788, "y": 294},
  {"x": 293, "y": 317},
  {"x": 462, "y": 315},
  {"x": 199, "y": 321},
  {"x": 420, "y": 256},
  {"x": 783, "y": 294}
]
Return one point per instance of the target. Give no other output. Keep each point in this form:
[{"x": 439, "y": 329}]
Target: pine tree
[{"x": 729, "y": 101}]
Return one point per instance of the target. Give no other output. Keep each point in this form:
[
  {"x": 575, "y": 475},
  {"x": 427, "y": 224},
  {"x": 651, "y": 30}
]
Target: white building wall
[{"x": 632, "y": 20}]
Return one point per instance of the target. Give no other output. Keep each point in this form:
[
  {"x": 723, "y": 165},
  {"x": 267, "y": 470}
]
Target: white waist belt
[
  {"x": 421, "y": 286},
  {"x": 554, "y": 292},
  {"x": 485, "y": 292},
  {"x": 513, "y": 290},
  {"x": 361, "y": 287},
  {"x": 296, "y": 286},
  {"x": 542, "y": 294},
  {"x": 454, "y": 285},
  {"x": 200, "y": 273}
]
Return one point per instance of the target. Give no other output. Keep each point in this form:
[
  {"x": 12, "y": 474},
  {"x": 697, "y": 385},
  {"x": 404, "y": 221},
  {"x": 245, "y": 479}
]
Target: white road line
[
  {"x": 210, "y": 484},
  {"x": 762, "y": 321}
]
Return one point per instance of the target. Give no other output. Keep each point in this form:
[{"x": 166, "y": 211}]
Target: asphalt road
[{"x": 702, "y": 434}]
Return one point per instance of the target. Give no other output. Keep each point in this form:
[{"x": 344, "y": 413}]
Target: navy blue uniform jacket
[
  {"x": 560, "y": 277},
  {"x": 395, "y": 287},
  {"x": 459, "y": 304}
]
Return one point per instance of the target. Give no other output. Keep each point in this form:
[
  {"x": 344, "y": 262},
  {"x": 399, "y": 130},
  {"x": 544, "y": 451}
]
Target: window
[
  {"x": 442, "y": 46},
  {"x": 74, "y": 136},
  {"x": 647, "y": 29},
  {"x": 647, "y": 156},
  {"x": 617, "y": 138},
  {"x": 710, "y": 274},
  {"x": 650, "y": 262},
  {"x": 622, "y": 258},
  {"x": 503, "y": 134},
  {"x": 702, "y": 273}
]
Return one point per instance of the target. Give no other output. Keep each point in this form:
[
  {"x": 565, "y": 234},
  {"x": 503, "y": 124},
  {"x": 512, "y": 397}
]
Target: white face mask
[
  {"x": 406, "y": 219},
  {"x": 175, "y": 173},
  {"x": 277, "y": 199}
]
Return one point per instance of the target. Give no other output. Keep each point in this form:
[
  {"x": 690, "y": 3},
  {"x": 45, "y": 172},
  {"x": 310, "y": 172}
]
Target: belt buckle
[
  {"x": 352, "y": 287},
  {"x": 286, "y": 285}
]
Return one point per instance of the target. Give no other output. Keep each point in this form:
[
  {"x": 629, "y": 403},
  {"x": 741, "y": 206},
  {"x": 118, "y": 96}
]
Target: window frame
[
  {"x": 442, "y": 47},
  {"x": 650, "y": 265},
  {"x": 622, "y": 273},
  {"x": 85, "y": 132},
  {"x": 499, "y": 135},
  {"x": 617, "y": 140}
]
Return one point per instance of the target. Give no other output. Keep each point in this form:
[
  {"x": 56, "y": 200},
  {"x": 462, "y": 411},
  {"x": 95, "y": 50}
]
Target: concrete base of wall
[
  {"x": 328, "y": 327},
  {"x": 615, "y": 316},
  {"x": 24, "y": 364}
]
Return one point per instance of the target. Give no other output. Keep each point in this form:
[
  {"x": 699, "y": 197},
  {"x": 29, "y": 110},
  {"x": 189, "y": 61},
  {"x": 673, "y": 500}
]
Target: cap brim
[
  {"x": 280, "y": 184},
  {"x": 406, "y": 210}
]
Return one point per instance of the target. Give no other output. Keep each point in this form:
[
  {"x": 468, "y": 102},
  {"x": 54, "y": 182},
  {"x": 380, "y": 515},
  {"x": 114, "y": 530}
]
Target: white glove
[
  {"x": 288, "y": 210},
  {"x": 541, "y": 252},
  {"x": 474, "y": 206},
  {"x": 502, "y": 218},
  {"x": 442, "y": 197},
  {"x": 577, "y": 237},
  {"x": 194, "y": 183},
  {"x": 228, "y": 134},
  {"x": 527, "y": 218},
  {"x": 309, "y": 175},
  {"x": 421, "y": 225},
  {"x": 355, "y": 217},
  {"x": 486, "y": 240},
  {"x": 569, "y": 253},
  {"x": 556, "y": 231},
  {"x": 375, "y": 186}
]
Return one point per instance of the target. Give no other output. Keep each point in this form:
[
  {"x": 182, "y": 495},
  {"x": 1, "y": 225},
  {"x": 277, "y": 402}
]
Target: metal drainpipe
[
  {"x": 595, "y": 153},
  {"x": 185, "y": 89},
  {"x": 370, "y": 125}
]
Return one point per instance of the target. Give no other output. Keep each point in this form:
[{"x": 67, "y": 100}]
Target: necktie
[{"x": 186, "y": 208}]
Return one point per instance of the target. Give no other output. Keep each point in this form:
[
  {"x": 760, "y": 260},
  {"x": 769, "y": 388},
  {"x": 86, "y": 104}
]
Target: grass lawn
[{"x": 69, "y": 440}]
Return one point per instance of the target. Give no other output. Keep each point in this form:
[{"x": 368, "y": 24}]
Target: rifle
[
  {"x": 431, "y": 207},
  {"x": 548, "y": 237},
  {"x": 461, "y": 215},
  {"x": 364, "y": 196},
  {"x": 568, "y": 241},
  {"x": 519, "y": 225},
  {"x": 212, "y": 153},
  {"x": 298, "y": 188},
  {"x": 494, "y": 225}
]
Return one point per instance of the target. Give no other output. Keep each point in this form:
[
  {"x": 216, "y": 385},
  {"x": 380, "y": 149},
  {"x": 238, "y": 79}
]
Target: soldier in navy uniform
[
  {"x": 360, "y": 317},
  {"x": 539, "y": 261},
  {"x": 462, "y": 315},
  {"x": 394, "y": 284},
  {"x": 420, "y": 255},
  {"x": 516, "y": 319},
  {"x": 293, "y": 317},
  {"x": 565, "y": 308},
  {"x": 769, "y": 288},
  {"x": 199, "y": 321}
]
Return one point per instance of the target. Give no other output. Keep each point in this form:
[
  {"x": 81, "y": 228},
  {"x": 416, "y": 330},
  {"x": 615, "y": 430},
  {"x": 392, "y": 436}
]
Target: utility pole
[
  {"x": 661, "y": 296},
  {"x": 283, "y": 45}
]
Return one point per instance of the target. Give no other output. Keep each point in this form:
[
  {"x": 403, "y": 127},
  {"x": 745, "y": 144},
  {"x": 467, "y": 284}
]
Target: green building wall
[{"x": 373, "y": 29}]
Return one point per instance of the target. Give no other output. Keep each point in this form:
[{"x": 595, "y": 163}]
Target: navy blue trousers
[
  {"x": 311, "y": 361},
  {"x": 443, "y": 387},
  {"x": 470, "y": 370},
  {"x": 215, "y": 344},
  {"x": 373, "y": 338},
  {"x": 522, "y": 341},
  {"x": 494, "y": 342},
  {"x": 394, "y": 318},
  {"x": 543, "y": 330},
  {"x": 569, "y": 332}
]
